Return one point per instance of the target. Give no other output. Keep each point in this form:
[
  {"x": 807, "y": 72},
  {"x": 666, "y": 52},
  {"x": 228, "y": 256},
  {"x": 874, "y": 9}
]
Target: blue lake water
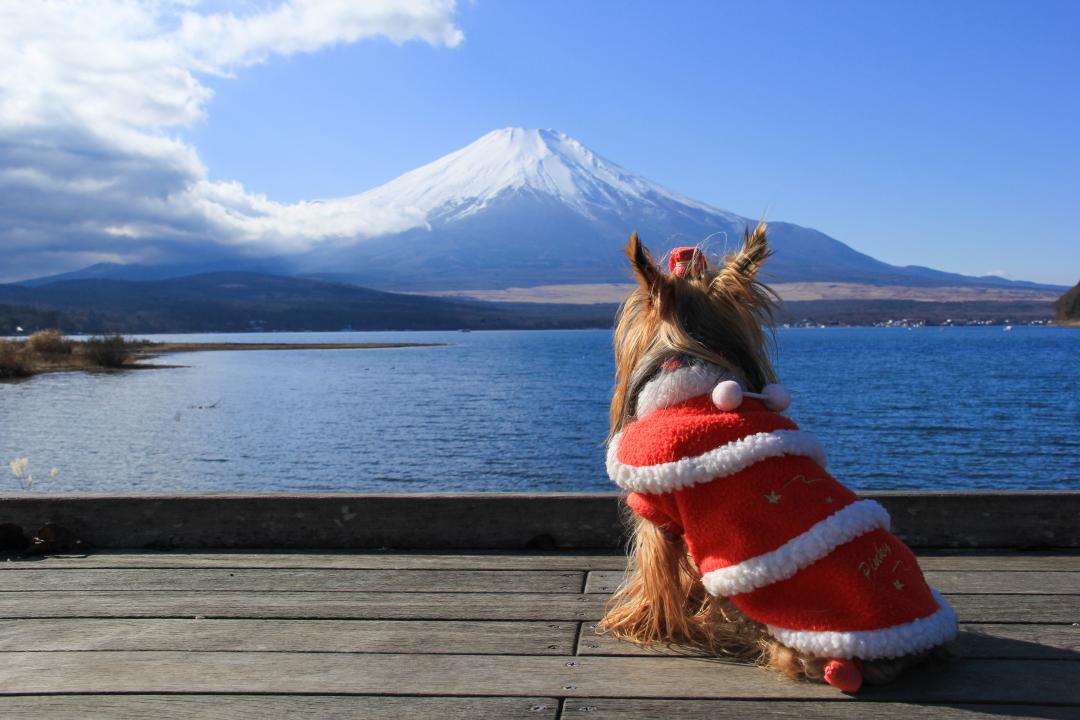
[{"x": 956, "y": 408}]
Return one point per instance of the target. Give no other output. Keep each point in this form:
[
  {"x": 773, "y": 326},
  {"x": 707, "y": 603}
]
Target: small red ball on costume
[
  {"x": 727, "y": 395},
  {"x": 776, "y": 397},
  {"x": 844, "y": 675}
]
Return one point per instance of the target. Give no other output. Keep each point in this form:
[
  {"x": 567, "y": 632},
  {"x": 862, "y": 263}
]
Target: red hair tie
[{"x": 682, "y": 258}]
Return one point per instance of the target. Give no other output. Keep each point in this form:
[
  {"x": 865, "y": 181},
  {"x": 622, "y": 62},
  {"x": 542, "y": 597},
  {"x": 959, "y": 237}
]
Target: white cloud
[
  {"x": 226, "y": 40},
  {"x": 92, "y": 95}
]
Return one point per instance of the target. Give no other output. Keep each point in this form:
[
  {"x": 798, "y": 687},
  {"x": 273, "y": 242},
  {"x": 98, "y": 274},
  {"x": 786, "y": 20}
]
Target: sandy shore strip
[{"x": 175, "y": 347}]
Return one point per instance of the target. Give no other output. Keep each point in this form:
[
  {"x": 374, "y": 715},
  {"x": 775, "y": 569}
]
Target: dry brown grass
[
  {"x": 49, "y": 342},
  {"x": 51, "y": 351},
  {"x": 14, "y": 362}
]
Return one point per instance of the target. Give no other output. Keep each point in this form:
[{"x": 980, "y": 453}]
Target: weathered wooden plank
[
  {"x": 987, "y": 640},
  {"x": 996, "y": 681},
  {"x": 976, "y": 640},
  {"x": 329, "y": 605},
  {"x": 360, "y": 636},
  {"x": 494, "y": 520},
  {"x": 971, "y": 560},
  {"x": 436, "y": 606},
  {"x": 1016, "y": 608},
  {"x": 1001, "y": 608},
  {"x": 947, "y": 581},
  {"x": 315, "y": 559},
  {"x": 248, "y": 580},
  {"x": 311, "y": 520},
  {"x": 261, "y": 707},
  {"x": 999, "y": 560},
  {"x": 988, "y": 519},
  {"x": 673, "y": 709}
]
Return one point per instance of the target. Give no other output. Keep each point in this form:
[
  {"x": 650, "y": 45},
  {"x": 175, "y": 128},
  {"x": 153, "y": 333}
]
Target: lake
[{"x": 950, "y": 408}]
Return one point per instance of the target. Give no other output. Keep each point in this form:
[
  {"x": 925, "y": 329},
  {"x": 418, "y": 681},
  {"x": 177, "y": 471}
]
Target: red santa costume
[{"x": 768, "y": 527}]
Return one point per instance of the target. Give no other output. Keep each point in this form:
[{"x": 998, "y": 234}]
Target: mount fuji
[
  {"x": 525, "y": 208},
  {"x": 522, "y": 208}
]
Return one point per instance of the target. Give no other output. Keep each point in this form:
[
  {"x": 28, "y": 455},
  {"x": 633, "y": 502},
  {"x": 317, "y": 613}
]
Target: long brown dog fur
[{"x": 725, "y": 317}]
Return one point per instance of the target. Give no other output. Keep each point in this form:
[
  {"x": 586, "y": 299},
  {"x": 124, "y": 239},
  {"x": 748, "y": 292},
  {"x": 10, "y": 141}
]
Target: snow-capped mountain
[
  {"x": 544, "y": 162},
  {"x": 527, "y": 208},
  {"x": 522, "y": 208}
]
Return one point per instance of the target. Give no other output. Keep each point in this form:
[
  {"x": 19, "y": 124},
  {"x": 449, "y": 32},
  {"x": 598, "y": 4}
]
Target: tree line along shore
[
  {"x": 251, "y": 302},
  {"x": 52, "y": 351}
]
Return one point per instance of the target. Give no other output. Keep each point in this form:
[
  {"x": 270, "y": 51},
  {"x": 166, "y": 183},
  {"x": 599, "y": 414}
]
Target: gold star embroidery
[
  {"x": 773, "y": 498},
  {"x": 898, "y": 585}
]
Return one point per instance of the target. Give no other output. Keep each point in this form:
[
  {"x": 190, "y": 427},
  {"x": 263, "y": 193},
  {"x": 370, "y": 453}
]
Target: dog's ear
[
  {"x": 742, "y": 268},
  {"x": 646, "y": 271}
]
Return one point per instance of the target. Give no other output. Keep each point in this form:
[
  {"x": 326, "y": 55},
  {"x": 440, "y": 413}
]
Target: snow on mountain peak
[{"x": 505, "y": 161}]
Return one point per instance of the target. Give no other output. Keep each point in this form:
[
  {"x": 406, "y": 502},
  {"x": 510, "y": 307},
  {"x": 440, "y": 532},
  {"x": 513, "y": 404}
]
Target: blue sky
[
  {"x": 940, "y": 134},
  {"x": 931, "y": 133}
]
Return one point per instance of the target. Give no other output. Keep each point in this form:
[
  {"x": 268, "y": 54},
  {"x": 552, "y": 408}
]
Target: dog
[{"x": 743, "y": 545}]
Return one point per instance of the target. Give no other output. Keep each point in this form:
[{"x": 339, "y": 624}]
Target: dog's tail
[{"x": 662, "y": 600}]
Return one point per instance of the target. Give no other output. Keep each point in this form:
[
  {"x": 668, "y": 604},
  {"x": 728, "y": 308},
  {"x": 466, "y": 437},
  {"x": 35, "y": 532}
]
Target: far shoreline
[
  {"x": 155, "y": 348},
  {"x": 23, "y": 359}
]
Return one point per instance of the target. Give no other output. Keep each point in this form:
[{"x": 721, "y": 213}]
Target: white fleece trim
[
  {"x": 800, "y": 552},
  {"x": 672, "y": 387},
  {"x": 718, "y": 462},
  {"x": 896, "y": 641}
]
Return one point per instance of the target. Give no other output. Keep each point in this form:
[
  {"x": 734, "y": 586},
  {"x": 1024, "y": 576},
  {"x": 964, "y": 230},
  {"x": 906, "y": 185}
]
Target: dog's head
[{"x": 720, "y": 315}]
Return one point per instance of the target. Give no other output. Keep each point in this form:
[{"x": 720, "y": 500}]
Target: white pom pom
[
  {"x": 776, "y": 397},
  {"x": 727, "y": 395}
]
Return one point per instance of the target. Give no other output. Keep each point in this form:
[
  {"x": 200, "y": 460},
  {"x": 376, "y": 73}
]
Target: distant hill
[
  {"x": 240, "y": 302},
  {"x": 137, "y": 272},
  {"x": 1067, "y": 307},
  {"x": 525, "y": 208}
]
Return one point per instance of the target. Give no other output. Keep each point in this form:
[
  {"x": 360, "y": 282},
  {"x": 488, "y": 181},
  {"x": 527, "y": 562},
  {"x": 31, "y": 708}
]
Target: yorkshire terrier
[{"x": 743, "y": 545}]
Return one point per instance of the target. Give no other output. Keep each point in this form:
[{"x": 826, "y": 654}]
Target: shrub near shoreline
[
  {"x": 110, "y": 351},
  {"x": 51, "y": 350},
  {"x": 49, "y": 342},
  {"x": 13, "y": 361}
]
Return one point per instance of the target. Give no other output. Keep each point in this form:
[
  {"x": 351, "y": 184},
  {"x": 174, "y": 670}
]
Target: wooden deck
[{"x": 309, "y": 634}]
